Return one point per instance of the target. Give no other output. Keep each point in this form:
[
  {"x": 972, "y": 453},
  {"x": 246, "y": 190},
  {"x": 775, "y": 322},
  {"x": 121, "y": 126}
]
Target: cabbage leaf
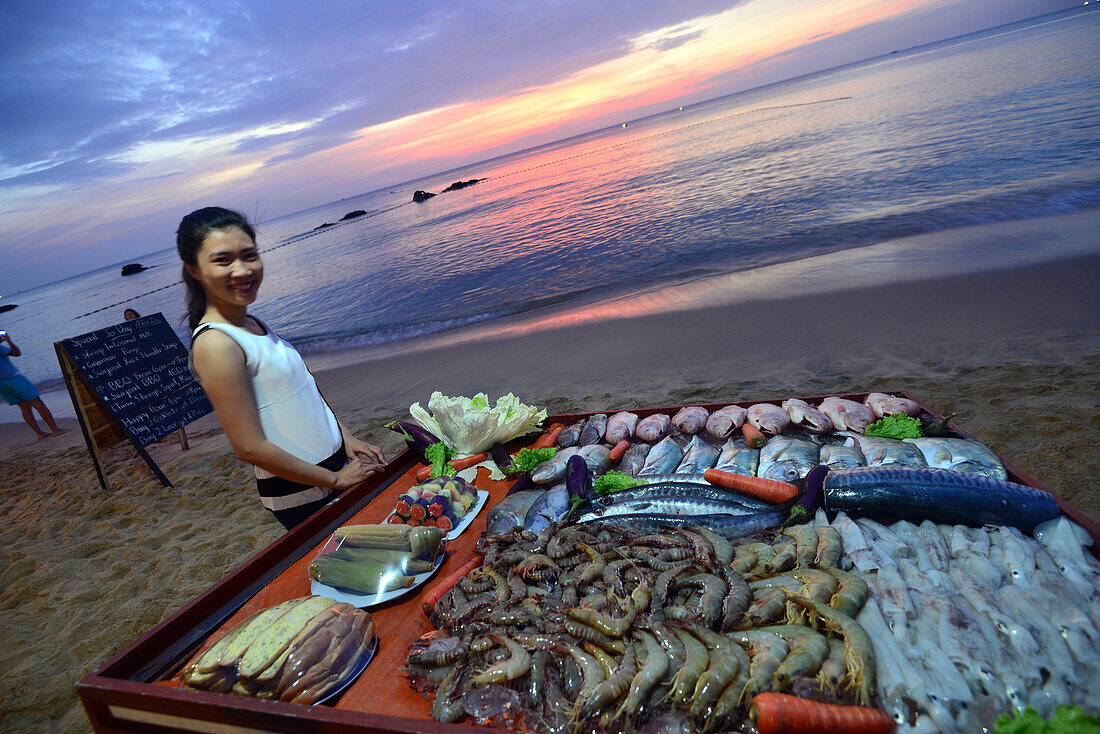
[{"x": 470, "y": 425}]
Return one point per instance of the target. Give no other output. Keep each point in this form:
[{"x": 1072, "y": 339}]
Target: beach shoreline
[{"x": 1015, "y": 352}]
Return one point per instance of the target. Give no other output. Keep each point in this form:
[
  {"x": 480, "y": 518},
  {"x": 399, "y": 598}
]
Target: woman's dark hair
[{"x": 191, "y": 234}]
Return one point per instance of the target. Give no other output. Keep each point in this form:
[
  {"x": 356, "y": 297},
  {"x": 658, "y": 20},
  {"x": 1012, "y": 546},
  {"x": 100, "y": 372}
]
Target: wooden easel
[{"x": 101, "y": 431}]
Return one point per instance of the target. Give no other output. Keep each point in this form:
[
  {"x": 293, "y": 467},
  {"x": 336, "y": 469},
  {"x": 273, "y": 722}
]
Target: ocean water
[{"x": 991, "y": 127}]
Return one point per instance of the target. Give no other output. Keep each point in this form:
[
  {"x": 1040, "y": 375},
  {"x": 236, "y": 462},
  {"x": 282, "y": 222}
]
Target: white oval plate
[
  {"x": 468, "y": 518},
  {"x": 365, "y": 601}
]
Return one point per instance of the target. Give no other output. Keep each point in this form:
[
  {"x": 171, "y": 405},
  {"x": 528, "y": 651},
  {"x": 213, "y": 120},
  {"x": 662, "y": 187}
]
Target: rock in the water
[
  {"x": 462, "y": 184},
  {"x": 131, "y": 268},
  {"x": 419, "y": 196},
  {"x": 353, "y": 215}
]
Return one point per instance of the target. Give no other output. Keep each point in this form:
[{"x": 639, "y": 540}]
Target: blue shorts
[{"x": 17, "y": 389}]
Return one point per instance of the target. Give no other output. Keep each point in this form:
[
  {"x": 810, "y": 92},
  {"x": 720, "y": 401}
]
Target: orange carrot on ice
[
  {"x": 780, "y": 713},
  {"x": 753, "y": 435}
]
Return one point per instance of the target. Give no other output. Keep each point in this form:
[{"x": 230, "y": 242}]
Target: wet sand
[{"x": 85, "y": 572}]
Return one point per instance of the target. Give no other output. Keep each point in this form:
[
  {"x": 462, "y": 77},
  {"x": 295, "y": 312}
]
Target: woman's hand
[
  {"x": 369, "y": 452},
  {"x": 357, "y": 470}
]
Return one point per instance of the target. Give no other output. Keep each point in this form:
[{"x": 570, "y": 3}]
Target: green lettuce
[
  {"x": 896, "y": 426},
  {"x": 1066, "y": 720},
  {"x": 438, "y": 454},
  {"x": 527, "y": 459},
  {"x": 613, "y": 481}
]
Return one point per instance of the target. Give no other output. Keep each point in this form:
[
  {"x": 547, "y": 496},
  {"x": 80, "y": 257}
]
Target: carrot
[
  {"x": 768, "y": 490},
  {"x": 753, "y": 435},
  {"x": 617, "y": 453},
  {"x": 779, "y": 713},
  {"x": 549, "y": 438},
  {"x": 434, "y": 594},
  {"x": 456, "y": 465}
]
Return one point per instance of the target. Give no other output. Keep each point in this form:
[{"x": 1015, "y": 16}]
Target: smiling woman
[{"x": 261, "y": 390}]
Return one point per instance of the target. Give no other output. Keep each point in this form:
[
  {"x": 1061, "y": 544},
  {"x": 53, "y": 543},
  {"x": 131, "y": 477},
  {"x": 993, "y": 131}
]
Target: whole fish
[
  {"x": 672, "y": 488},
  {"x": 597, "y": 457},
  {"x": 787, "y": 459},
  {"x": 840, "y": 456},
  {"x": 886, "y": 451},
  {"x": 570, "y": 435},
  {"x": 737, "y": 457},
  {"x": 652, "y": 429},
  {"x": 620, "y": 427},
  {"x": 552, "y": 470},
  {"x": 510, "y": 511},
  {"x": 550, "y": 507},
  {"x": 634, "y": 459},
  {"x": 882, "y": 404},
  {"x": 806, "y": 415},
  {"x": 698, "y": 457},
  {"x": 769, "y": 418},
  {"x": 672, "y": 478},
  {"x": 663, "y": 458},
  {"x": 847, "y": 415},
  {"x": 939, "y": 495},
  {"x": 725, "y": 421},
  {"x": 690, "y": 420},
  {"x": 658, "y": 504},
  {"x": 728, "y": 526},
  {"x": 593, "y": 430},
  {"x": 960, "y": 454}
]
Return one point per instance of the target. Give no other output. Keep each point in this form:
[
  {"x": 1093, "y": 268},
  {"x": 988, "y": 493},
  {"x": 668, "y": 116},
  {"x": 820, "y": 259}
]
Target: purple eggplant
[
  {"x": 501, "y": 457},
  {"x": 812, "y": 496},
  {"x": 416, "y": 437},
  {"x": 578, "y": 478},
  {"x": 522, "y": 484}
]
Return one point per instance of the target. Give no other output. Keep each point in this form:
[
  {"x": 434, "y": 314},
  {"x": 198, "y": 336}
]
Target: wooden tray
[{"x": 136, "y": 690}]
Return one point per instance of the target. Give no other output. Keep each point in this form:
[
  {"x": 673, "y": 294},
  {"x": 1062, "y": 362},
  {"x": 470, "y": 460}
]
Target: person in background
[
  {"x": 130, "y": 314},
  {"x": 264, "y": 396},
  {"x": 18, "y": 390}
]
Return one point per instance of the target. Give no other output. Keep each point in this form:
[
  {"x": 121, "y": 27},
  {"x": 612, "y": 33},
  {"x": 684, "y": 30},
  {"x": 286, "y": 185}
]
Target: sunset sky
[{"x": 116, "y": 118}]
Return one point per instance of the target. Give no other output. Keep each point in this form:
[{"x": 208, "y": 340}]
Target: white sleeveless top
[{"x": 293, "y": 414}]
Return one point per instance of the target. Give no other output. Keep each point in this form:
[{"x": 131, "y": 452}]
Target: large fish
[
  {"x": 847, "y": 415},
  {"x": 939, "y": 495},
  {"x": 728, "y": 526},
  {"x": 690, "y": 420},
  {"x": 634, "y": 459},
  {"x": 665, "y": 504},
  {"x": 663, "y": 458},
  {"x": 960, "y": 454},
  {"x": 597, "y": 457},
  {"x": 725, "y": 421},
  {"x": 805, "y": 415},
  {"x": 593, "y": 430},
  {"x": 882, "y": 404},
  {"x": 550, "y": 507},
  {"x": 510, "y": 511},
  {"x": 787, "y": 459},
  {"x": 886, "y": 451},
  {"x": 841, "y": 456},
  {"x": 769, "y": 418},
  {"x": 552, "y": 470},
  {"x": 698, "y": 457},
  {"x": 653, "y": 428},
  {"x": 737, "y": 457},
  {"x": 620, "y": 427},
  {"x": 570, "y": 435},
  {"x": 671, "y": 487}
]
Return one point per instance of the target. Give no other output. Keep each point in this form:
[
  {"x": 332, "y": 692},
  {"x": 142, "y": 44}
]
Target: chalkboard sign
[{"x": 137, "y": 374}]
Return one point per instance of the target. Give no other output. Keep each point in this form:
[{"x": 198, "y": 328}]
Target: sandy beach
[{"x": 1016, "y": 353}]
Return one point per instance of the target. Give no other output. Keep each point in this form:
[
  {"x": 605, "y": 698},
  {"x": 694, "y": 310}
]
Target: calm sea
[{"x": 995, "y": 126}]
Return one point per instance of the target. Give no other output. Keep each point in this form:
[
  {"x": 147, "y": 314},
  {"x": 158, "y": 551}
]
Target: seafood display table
[{"x": 138, "y": 689}]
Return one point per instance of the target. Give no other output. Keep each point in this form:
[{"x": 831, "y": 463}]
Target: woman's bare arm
[{"x": 220, "y": 365}]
